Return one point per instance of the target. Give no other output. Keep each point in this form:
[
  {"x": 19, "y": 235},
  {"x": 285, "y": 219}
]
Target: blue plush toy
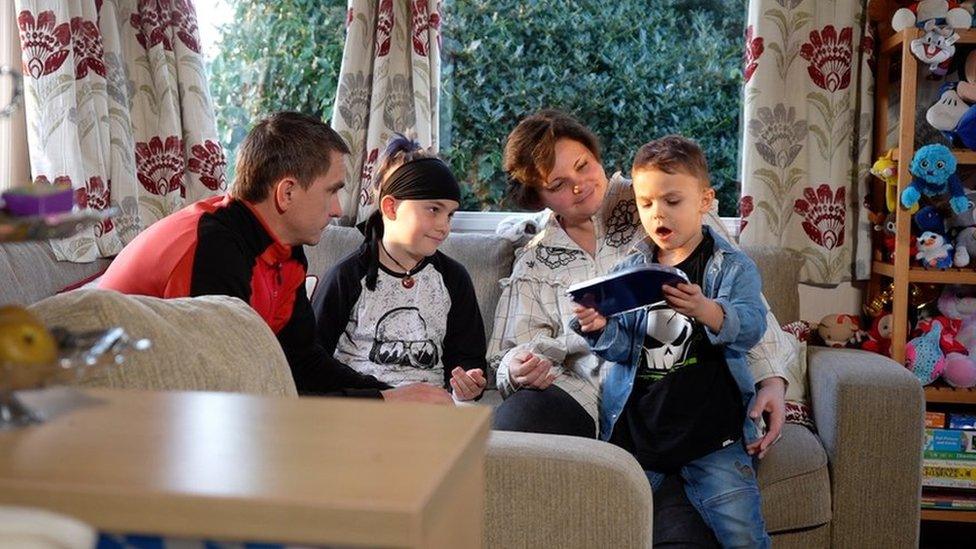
[
  {"x": 929, "y": 219},
  {"x": 934, "y": 171}
]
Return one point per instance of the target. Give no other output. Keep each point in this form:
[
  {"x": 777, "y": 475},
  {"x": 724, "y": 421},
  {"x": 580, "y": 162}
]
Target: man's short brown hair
[
  {"x": 673, "y": 154},
  {"x": 530, "y": 151},
  {"x": 285, "y": 144}
]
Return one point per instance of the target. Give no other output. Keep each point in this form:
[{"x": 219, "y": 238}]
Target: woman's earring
[{"x": 576, "y": 189}]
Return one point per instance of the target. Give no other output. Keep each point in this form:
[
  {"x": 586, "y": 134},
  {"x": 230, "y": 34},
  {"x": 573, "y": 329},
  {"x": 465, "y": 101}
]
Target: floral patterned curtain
[
  {"x": 806, "y": 147},
  {"x": 388, "y": 83},
  {"x": 118, "y": 105}
]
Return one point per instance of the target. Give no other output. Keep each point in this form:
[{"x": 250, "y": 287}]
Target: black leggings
[
  {"x": 677, "y": 523},
  {"x": 551, "y": 411}
]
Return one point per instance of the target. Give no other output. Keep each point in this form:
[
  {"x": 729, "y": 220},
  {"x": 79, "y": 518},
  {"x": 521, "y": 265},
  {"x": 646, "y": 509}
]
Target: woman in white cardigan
[{"x": 547, "y": 374}]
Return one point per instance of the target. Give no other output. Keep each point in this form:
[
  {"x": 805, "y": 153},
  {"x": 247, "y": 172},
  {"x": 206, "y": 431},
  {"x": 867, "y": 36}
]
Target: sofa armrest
[
  {"x": 869, "y": 411},
  {"x": 563, "y": 491}
]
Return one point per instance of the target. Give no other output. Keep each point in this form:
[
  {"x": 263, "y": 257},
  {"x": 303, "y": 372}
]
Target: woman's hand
[{"x": 529, "y": 370}]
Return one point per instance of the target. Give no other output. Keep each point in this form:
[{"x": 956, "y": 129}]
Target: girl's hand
[{"x": 467, "y": 384}]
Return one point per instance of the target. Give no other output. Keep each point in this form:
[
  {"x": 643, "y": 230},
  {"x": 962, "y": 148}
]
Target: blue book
[{"x": 626, "y": 290}]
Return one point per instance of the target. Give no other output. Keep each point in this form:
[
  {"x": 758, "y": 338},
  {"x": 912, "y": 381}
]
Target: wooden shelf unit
[{"x": 900, "y": 271}]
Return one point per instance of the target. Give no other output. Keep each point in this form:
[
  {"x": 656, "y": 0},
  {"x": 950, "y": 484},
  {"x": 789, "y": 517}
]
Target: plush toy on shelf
[
  {"x": 936, "y": 47},
  {"x": 947, "y": 339},
  {"x": 967, "y": 217},
  {"x": 965, "y": 245},
  {"x": 939, "y": 12},
  {"x": 945, "y": 114},
  {"x": 924, "y": 357},
  {"x": 929, "y": 219},
  {"x": 879, "y": 336},
  {"x": 934, "y": 171},
  {"x": 959, "y": 370},
  {"x": 840, "y": 330},
  {"x": 933, "y": 251},
  {"x": 885, "y": 168},
  {"x": 958, "y": 302}
]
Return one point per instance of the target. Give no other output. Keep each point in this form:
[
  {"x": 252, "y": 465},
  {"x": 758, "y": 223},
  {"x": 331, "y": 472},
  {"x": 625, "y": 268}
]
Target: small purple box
[{"x": 25, "y": 201}]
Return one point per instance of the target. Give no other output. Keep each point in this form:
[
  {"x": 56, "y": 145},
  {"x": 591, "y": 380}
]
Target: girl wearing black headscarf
[{"x": 398, "y": 308}]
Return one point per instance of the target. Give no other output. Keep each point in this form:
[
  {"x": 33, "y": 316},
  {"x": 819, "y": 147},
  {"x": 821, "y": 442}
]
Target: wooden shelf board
[
  {"x": 944, "y": 394},
  {"x": 948, "y": 276},
  {"x": 949, "y": 515},
  {"x": 963, "y": 156}
]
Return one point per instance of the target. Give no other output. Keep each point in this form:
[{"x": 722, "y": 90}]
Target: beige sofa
[{"x": 853, "y": 484}]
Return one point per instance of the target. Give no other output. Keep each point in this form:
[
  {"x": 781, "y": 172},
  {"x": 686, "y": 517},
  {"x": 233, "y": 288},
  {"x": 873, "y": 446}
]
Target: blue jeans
[{"x": 722, "y": 486}]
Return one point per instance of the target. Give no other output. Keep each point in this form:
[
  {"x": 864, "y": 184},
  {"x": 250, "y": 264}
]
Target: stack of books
[{"x": 949, "y": 461}]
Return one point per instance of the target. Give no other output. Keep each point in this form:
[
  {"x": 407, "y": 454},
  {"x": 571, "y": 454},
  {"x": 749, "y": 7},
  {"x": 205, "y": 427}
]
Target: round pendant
[{"x": 407, "y": 282}]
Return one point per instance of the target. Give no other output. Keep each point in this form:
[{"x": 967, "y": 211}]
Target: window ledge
[{"x": 487, "y": 222}]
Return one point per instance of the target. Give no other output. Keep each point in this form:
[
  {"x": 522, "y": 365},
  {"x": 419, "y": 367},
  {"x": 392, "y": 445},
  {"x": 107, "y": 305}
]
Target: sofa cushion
[
  {"x": 198, "y": 344},
  {"x": 794, "y": 482},
  {"x": 488, "y": 258},
  {"x": 780, "y": 272},
  {"x": 29, "y": 272}
]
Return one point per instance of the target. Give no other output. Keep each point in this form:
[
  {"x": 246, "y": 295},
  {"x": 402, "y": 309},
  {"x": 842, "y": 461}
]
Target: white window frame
[
  {"x": 487, "y": 222},
  {"x": 14, "y": 160}
]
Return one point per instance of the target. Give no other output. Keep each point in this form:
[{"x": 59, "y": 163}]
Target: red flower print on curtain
[
  {"x": 384, "y": 27},
  {"x": 97, "y": 196},
  {"x": 160, "y": 166},
  {"x": 823, "y": 214},
  {"x": 423, "y": 21},
  {"x": 44, "y": 42},
  {"x": 745, "y": 210},
  {"x": 750, "y": 57},
  {"x": 184, "y": 20},
  {"x": 366, "y": 177},
  {"x": 209, "y": 162},
  {"x": 150, "y": 24},
  {"x": 830, "y": 57},
  {"x": 87, "y": 45}
]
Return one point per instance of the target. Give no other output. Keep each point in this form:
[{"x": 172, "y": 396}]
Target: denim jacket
[{"x": 732, "y": 280}]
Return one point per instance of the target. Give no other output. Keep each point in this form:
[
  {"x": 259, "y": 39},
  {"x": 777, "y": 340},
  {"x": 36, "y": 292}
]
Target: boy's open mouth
[{"x": 662, "y": 231}]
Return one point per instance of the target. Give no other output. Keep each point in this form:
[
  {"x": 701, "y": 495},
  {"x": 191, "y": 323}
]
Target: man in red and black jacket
[{"x": 248, "y": 244}]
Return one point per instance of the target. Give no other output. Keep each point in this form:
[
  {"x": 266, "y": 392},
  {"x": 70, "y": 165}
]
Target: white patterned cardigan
[{"x": 534, "y": 312}]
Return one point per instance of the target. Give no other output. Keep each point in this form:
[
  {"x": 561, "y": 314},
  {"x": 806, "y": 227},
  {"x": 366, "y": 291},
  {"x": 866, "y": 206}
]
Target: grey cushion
[
  {"x": 487, "y": 258},
  {"x": 780, "y": 272},
  {"x": 29, "y": 272},
  {"x": 794, "y": 482},
  {"x": 566, "y": 492},
  {"x": 209, "y": 343}
]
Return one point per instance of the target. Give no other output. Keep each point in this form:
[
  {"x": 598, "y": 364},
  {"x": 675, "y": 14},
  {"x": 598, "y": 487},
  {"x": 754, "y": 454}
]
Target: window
[{"x": 631, "y": 70}]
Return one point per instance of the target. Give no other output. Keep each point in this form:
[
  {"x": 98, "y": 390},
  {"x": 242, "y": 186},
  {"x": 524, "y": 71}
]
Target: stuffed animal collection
[{"x": 945, "y": 345}]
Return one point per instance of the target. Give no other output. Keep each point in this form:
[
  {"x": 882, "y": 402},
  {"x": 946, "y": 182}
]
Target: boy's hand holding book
[
  {"x": 689, "y": 300},
  {"x": 590, "y": 320}
]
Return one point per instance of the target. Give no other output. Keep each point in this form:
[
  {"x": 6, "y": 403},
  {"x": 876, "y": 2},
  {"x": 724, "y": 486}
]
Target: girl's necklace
[{"x": 407, "y": 281}]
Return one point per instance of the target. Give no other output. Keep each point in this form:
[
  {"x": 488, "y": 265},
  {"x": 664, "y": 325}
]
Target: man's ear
[
  {"x": 388, "y": 207},
  {"x": 283, "y": 193}
]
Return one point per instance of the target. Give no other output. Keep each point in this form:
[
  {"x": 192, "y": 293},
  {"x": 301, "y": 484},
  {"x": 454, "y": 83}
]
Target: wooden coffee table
[{"x": 232, "y": 467}]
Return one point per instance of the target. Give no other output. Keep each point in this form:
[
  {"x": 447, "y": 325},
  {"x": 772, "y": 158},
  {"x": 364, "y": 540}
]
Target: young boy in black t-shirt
[{"x": 677, "y": 395}]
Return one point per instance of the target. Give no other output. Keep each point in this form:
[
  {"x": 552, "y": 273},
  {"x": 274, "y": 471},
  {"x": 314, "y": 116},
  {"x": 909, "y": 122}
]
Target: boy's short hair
[
  {"x": 283, "y": 144},
  {"x": 673, "y": 154},
  {"x": 530, "y": 151}
]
